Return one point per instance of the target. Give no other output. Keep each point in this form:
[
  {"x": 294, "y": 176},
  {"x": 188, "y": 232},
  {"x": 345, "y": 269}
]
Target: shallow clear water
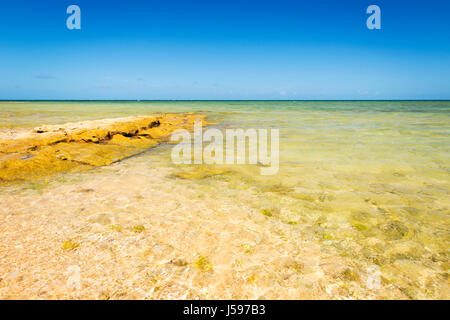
[{"x": 367, "y": 182}]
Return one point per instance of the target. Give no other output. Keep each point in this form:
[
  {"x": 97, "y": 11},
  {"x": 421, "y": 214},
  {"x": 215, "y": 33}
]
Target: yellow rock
[
  {"x": 156, "y": 133},
  {"x": 203, "y": 264},
  {"x": 69, "y": 245},
  {"x": 140, "y": 142},
  {"x": 93, "y": 154},
  {"x": 32, "y": 154},
  {"x": 35, "y": 166}
]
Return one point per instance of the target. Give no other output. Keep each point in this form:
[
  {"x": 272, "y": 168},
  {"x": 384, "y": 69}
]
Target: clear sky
[{"x": 225, "y": 49}]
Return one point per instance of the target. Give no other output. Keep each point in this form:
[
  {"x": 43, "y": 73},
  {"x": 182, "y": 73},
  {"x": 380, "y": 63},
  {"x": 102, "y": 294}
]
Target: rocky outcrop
[{"x": 75, "y": 146}]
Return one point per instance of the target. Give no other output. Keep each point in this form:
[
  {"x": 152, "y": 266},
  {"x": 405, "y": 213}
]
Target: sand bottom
[
  {"x": 359, "y": 209},
  {"x": 133, "y": 231}
]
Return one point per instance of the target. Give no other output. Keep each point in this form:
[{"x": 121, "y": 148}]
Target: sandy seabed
[
  {"x": 139, "y": 237},
  {"x": 344, "y": 219},
  {"x": 131, "y": 231}
]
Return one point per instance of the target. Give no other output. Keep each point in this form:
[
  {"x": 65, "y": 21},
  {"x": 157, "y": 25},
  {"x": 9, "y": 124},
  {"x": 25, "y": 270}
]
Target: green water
[{"x": 368, "y": 181}]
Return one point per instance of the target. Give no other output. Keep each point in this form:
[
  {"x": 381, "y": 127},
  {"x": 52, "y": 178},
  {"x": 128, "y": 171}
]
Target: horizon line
[{"x": 192, "y": 100}]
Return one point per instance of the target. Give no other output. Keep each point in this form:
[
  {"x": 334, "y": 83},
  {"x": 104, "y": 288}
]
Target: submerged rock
[
  {"x": 394, "y": 230},
  {"x": 360, "y": 220},
  {"x": 199, "y": 173},
  {"x": 203, "y": 264},
  {"x": 348, "y": 275},
  {"x": 179, "y": 262},
  {"x": 277, "y": 188},
  {"x": 138, "y": 229},
  {"x": 270, "y": 212},
  {"x": 101, "y": 218},
  {"x": 69, "y": 245}
]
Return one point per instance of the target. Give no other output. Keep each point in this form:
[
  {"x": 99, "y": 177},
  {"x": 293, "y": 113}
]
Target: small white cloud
[
  {"x": 102, "y": 86},
  {"x": 44, "y": 76}
]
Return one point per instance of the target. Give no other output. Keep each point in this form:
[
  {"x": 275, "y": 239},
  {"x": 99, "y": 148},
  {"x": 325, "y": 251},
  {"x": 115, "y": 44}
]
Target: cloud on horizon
[{"x": 44, "y": 76}]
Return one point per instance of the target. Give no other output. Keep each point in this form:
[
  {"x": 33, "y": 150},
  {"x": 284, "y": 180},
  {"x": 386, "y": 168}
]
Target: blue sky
[{"x": 229, "y": 49}]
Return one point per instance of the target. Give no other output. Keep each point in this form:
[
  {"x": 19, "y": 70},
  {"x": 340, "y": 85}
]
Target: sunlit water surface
[{"x": 360, "y": 202}]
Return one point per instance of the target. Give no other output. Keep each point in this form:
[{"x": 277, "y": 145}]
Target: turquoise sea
[{"x": 360, "y": 207}]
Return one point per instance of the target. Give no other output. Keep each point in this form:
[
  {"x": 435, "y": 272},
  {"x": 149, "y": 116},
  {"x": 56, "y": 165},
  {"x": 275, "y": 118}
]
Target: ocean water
[{"x": 360, "y": 207}]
